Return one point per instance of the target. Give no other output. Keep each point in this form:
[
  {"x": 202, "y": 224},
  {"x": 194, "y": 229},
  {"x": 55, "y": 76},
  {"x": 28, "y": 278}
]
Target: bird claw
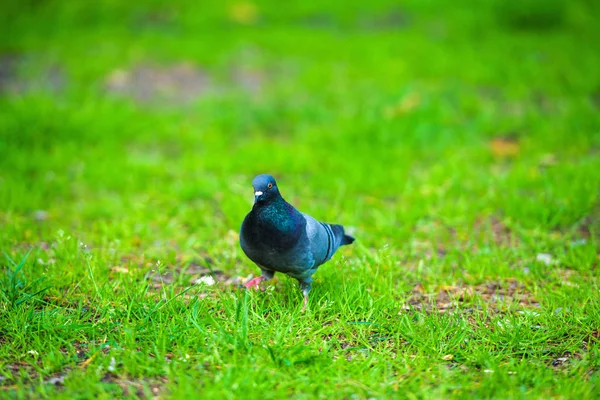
[{"x": 254, "y": 283}]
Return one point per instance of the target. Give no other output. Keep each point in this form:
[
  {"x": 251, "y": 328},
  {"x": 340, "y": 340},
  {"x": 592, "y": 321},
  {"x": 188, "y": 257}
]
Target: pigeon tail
[
  {"x": 347, "y": 239},
  {"x": 338, "y": 231}
]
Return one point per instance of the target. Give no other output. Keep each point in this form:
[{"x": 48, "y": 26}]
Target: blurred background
[{"x": 425, "y": 125}]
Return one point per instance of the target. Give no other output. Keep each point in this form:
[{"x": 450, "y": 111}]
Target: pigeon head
[{"x": 265, "y": 188}]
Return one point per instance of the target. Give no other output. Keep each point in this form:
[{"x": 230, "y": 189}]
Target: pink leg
[
  {"x": 254, "y": 283},
  {"x": 305, "y": 302}
]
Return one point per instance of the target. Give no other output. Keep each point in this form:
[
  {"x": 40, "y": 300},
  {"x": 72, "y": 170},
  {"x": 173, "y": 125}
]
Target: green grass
[{"x": 460, "y": 141}]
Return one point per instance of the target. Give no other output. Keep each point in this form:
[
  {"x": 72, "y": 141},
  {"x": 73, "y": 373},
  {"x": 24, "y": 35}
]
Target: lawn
[{"x": 458, "y": 141}]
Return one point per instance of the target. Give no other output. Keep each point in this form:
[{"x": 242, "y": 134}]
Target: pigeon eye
[{"x": 269, "y": 186}]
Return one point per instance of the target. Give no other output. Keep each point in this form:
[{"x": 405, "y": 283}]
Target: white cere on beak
[{"x": 259, "y": 193}]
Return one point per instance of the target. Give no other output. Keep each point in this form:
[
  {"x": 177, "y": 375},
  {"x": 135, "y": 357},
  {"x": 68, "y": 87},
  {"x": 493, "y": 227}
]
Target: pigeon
[{"x": 279, "y": 238}]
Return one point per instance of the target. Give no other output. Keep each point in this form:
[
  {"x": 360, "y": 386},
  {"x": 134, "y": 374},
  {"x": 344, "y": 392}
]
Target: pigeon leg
[{"x": 305, "y": 286}]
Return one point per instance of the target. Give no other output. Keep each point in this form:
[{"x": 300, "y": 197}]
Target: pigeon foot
[{"x": 254, "y": 283}]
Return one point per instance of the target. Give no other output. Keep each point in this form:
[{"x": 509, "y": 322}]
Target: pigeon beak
[{"x": 257, "y": 195}]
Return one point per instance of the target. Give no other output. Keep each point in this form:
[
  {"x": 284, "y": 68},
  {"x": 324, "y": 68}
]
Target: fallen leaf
[
  {"x": 407, "y": 104},
  {"x": 548, "y": 160},
  {"x": 448, "y": 357},
  {"x": 243, "y": 12},
  {"x": 466, "y": 293},
  {"x": 136, "y": 241},
  {"x": 448, "y": 288},
  {"x": 504, "y": 147}
]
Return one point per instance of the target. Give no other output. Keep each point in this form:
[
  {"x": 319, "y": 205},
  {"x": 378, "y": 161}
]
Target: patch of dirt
[
  {"x": 544, "y": 103},
  {"x": 252, "y": 70},
  {"x": 193, "y": 274},
  {"x": 591, "y": 224},
  {"x": 182, "y": 273},
  {"x": 450, "y": 298},
  {"x": 352, "y": 347},
  {"x": 8, "y": 73},
  {"x": 495, "y": 231},
  {"x": 50, "y": 78},
  {"x": 489, "y": 92},
  {"x": 57, "y": 379},
  {"x": 30, "y": 370},
  {"x": 180, "y": 83},
  {"x": 156, "y": 19},
  {"x": 563, "y": 360},
  {"x": 17, "y": 368},
  {"x": 132, "y": 386},
  {"x": 392, "y": 19},
  {"x": 155, "y": 385},
  {"x": 433, "y": 238},
  {"x": 386, "y": 20},
  {"x": 184, "y": 82},
  {"x": 248, "y": 79},
  {"x": 593, "y": 338}
]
